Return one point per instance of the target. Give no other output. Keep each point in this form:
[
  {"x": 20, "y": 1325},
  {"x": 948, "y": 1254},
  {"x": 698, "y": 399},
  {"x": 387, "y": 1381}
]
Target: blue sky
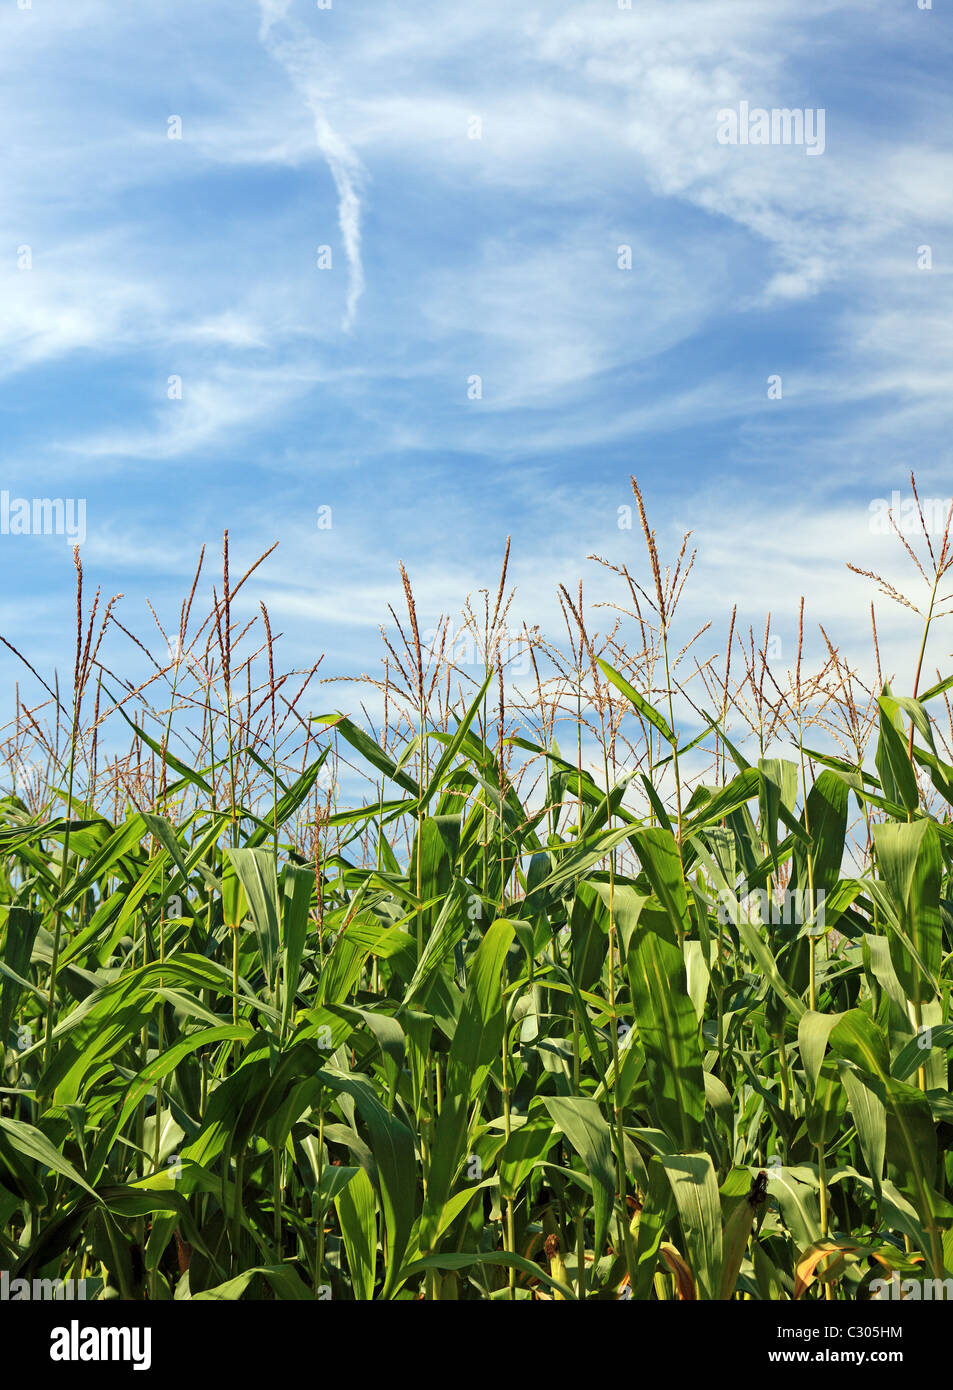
[{"x": 455, "y": 257}]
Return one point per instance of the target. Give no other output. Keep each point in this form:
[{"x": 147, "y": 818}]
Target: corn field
[{"x": 612, "y": 969}]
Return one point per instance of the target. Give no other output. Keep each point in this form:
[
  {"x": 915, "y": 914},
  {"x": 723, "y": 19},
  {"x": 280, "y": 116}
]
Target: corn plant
[{"x": 593, "y": 993}]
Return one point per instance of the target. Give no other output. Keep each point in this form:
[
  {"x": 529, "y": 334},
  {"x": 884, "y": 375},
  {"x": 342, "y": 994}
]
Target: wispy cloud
[
  {"x": 308, "y": 65},
  {"x": 464, "y": 251}
]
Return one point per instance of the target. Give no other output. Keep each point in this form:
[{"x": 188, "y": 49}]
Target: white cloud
[
  {"x": 213, "y": 406},
  {"x": 307, "y": 64},
  {"x": 71, "y": 298},
  {"x": 492, "y": 256}
]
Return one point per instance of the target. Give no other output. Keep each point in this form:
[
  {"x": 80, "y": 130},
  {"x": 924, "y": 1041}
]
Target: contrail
[
  {"x": 300, "y": 55},
  {"x": 346, "y": 171}
]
